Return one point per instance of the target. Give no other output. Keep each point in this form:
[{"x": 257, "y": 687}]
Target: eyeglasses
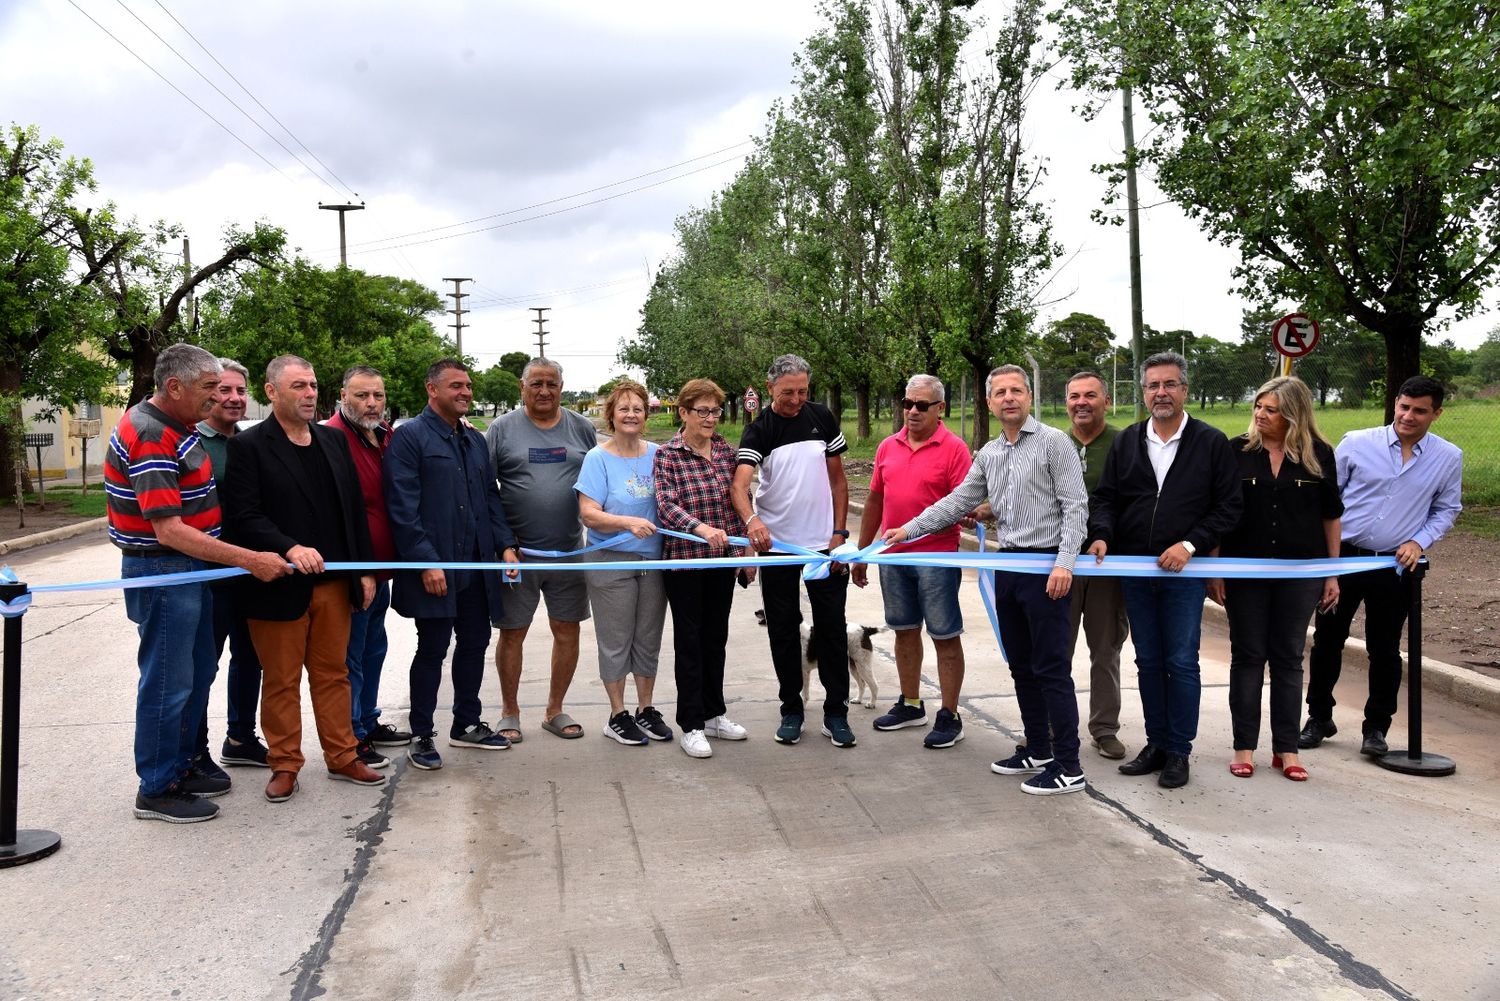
[
  {"x": 707, "y": 412},
  {"x": 920, "y": 406},
  {"x": 1170, "y": 386}
]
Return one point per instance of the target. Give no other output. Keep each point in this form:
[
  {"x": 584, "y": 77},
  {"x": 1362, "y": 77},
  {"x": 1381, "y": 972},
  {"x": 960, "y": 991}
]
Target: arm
[
  {"x": 1228, "y": 502},
  {"x": 402, "y": 473},
  {"x": 1444, "y": 510},
  {"x": 1333, "y": 534},
  {"x": 947, "y": 511},
  {"x": 839, "y": 484},
  {"x": 594, "y": 516},
  {"x": 739, "y": 498},
  {"x": 869, "y": 523},
  {"x": 668, "y": 476},
  {"x": 173, "y": 533}
]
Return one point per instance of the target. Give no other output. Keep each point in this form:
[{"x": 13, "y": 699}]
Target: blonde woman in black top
[{"x": 1292, "y": 509}]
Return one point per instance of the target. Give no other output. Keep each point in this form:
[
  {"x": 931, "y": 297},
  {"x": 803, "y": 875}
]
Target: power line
[
  {"x": 545, "y": 215},
  {"x": 501, "y": 299},
  {"x": 257, "y": 100},
  {"x": 561, "y": 198},
  {"x": 180, "y": 91},
  {"x": 248, "y": 117}
]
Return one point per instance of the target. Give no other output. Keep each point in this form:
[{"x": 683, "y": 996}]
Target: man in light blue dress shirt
[{"x": 1401, "y": 486}]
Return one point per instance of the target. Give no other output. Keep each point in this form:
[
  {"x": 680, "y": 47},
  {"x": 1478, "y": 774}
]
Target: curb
[
  {"x": 54, "y": 535},
  {"x": 1438, "y": 678}
]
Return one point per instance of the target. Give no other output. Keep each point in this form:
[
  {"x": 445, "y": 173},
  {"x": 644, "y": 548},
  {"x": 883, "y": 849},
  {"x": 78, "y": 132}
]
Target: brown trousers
[
  {"x": 320, "y": 640},
  {"x": 1097, "y": 602}
]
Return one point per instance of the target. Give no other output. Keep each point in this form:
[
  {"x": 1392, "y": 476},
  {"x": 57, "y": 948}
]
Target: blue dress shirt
[{"x": 1386, "y": 503}]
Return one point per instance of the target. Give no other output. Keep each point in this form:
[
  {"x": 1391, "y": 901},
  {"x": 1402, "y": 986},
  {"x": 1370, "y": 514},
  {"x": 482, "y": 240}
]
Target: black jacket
[
  {"x": 1199, "y": 502},
  {"x": 267, "y": 507}
]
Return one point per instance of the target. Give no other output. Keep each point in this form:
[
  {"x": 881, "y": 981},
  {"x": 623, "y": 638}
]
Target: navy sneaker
[
  {"x": 205, "y": 764},
  {"x": 372, "y": 758},
  {"x": 902, "y": 715},
  {"x": 385, "y": 735},
  {"x": 947, "y": 730},
  {"x": 478, "y": 736},
  {"x": 249, "y": 753},
  {"x": 790, "y": 730},
  {"x": 203, "y": 785},
  {"x": 651, "y": 723},
  {"x": 1020, "y": 763},
  {"x": 836, "y": 729},
  {"x": 176, "y": 806},
  {"x": 422, "y": 754},
  {"x": 1053, "y": 781}
]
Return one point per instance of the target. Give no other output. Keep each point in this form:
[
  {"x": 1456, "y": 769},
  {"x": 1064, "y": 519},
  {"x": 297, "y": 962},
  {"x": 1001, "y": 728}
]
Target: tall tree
[{"x": 1348, "y": 148}]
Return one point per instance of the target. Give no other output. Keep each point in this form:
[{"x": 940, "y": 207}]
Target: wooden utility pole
[
  {"x": 1133, "y": 222},
  {"x": 343, "y": 241},
  {"x": 541, "y": 329},
  {"x": 458, "y": 296},
  {"x": 191, "y": 305}
]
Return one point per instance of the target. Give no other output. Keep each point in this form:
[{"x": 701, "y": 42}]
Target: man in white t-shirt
[{"x": 802, "y": 500}]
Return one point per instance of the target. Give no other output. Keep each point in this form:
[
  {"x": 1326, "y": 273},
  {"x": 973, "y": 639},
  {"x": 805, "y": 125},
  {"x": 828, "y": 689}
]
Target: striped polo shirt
[{"x": 156, "y": 468}]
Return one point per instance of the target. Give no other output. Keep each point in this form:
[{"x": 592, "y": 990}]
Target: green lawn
[{"x": 90, "y": 506}]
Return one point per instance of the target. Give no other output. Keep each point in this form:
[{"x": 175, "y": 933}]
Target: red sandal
[
  {"x": 1242, "y": 769},
  {"x": 1294, "y": 772}
]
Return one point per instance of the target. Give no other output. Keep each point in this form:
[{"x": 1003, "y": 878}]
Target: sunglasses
[{"x": 920, "y": 406}]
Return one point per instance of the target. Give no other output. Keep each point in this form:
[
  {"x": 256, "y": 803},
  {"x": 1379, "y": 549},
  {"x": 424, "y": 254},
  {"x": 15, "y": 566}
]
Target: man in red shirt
[
  {"x": 164, "y": 516},
  {"x": 915, "y": 467},
  {"x": 361, "y": 416}
]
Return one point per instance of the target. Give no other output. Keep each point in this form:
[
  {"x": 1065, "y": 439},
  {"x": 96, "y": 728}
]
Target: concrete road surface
[{"x": 584, "y": 869}]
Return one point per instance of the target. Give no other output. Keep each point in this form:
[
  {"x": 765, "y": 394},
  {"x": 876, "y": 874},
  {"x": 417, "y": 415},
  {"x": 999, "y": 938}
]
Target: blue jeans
[
  {"x": 1166, "y": 618},
  {"x": 913, "y": 595},
  {"x": 366, "y": 659},
  {"x": 177, "y": 664}
]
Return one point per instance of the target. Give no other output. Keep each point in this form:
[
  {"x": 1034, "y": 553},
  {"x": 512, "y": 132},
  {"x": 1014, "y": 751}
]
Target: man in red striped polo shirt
[{"x": 164, "y": 517}]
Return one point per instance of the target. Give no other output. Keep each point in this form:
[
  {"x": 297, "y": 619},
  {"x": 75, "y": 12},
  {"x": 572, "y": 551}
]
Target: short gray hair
[
  {"x": 1165, "y": 358},
  {"x": 281, "y": 363},
  {"x": 1087, "y": 374},
  {"x": 185, "y": 363},
  {"x": 924, "y": 381},
  {"x": 230, "y": 365},
  {"x": 989, "y": 380},
  {"x": 784, "y": 365},
  {"x": 540, "y": 362},
  {"x": 365, "y": 370}
]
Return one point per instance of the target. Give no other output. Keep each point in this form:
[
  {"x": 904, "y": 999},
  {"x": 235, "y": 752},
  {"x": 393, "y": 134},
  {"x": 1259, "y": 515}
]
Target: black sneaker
[
  {"x": 649, "y": 720},
  {"x": 385, "y": 735},
  {"x": 205, "y": 765},
  {"x": 1020, "y": 763},
  {"x": 370, "y": 756},
  {"x": 947, "y": 730},
  {"x": 249, "y": 753},
  {"x": 422, "y": 754},
  {"x": 175, "y": 806},
  {"x": 902, "y": 715},
  {"x": 622, "y": 727},
  {"x": 200, "y": 783}
]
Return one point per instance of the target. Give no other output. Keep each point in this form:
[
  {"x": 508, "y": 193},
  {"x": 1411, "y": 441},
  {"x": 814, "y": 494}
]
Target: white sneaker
[
  {"x": 696, "y": 745},
  {"x": 724, "y": 728}
]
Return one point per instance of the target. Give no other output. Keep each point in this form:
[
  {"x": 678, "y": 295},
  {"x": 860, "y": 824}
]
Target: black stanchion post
[
  {"x": 16, "y": 847},
  {"x": 1413, "y": 760}
]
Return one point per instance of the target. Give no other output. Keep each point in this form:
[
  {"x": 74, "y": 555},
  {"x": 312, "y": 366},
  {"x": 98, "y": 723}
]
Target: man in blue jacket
[
  {"x": 444, "y": 507},
  {"x": 1170, "y": 489}
]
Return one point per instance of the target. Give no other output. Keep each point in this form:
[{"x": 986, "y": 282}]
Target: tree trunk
[
  {"x": 142, "y": 371},
  {"x": 836, "y": 401},
  {"x": 10, "y": 429},
  {"x": 980, "y": 369},
  {"x": 862, "y": 409},
  {"x": 1403, "y": 358}
]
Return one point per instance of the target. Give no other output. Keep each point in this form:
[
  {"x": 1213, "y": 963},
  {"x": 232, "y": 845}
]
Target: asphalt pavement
[{"x": 584, "y": 869}]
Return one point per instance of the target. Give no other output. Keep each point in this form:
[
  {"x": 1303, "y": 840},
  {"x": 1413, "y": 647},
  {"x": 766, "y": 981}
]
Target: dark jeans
[
  {"x": 1386, "y": 603},
  {"x": 366, "y": 660},
  {"x": 1267, "y": 624},
  {"x": 1035, "y": 631},
  {"x": 1166, "y": 619},
  {"x": 778, "y": 589},
  {"x": 177, "y": 666},
  {"x": 700, "y": 602},
  {"x": 242, "y": 686},
  {"x": 470, "y": 628}
]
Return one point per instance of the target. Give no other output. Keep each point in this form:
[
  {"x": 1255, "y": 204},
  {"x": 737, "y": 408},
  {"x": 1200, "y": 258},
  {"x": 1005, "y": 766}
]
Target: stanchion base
[
  {"x": 1428, "y": 764},
  {"x": 29, "y": 847}
]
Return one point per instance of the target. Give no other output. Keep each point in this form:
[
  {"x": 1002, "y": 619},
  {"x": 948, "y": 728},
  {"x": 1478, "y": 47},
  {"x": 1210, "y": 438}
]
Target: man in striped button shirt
[
  {"x": 164, "y": 517},
  {"x": 1031, "y": 477}
]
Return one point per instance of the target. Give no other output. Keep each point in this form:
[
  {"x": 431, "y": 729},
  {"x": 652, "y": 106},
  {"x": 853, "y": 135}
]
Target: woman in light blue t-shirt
[{"x": 617, "y": 494}]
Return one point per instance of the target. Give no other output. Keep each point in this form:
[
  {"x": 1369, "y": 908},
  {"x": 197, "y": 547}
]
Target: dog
[{"x": 860, "y": 651}]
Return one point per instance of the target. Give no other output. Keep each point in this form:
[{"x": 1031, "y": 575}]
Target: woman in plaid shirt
[{"x": 693, "y": 472}]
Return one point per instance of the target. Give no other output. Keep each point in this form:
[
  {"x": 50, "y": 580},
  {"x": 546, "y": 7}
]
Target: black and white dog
[{"x": 860, "y": 650}]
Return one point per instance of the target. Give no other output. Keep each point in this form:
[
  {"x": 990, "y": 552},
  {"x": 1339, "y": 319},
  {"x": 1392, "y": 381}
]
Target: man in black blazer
[{"x": 291, "y": 486}]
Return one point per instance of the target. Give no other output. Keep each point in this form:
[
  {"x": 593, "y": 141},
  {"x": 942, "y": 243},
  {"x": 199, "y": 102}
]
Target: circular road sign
[{"x": 1295, "y": 335}]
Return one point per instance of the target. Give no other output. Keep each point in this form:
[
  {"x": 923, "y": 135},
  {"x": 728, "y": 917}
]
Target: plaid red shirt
[{"x": 691, "y": 491}]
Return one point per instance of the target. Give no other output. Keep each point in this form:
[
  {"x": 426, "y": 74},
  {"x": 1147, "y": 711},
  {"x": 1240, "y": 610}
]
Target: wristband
[{"x": 1191, "y": 549}]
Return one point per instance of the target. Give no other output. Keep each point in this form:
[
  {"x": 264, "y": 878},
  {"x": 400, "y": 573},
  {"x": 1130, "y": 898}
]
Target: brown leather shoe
[
  {"x": 281, "y": 786},
  {"x": 357, "y": 772}
]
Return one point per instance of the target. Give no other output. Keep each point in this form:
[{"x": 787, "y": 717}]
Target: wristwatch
[
  {"x": 841, "y": 531},
  {"x": 1192, "y": 549}
]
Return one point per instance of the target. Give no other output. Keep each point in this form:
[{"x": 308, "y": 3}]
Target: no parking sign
[{"x": 1295, "y": 335}]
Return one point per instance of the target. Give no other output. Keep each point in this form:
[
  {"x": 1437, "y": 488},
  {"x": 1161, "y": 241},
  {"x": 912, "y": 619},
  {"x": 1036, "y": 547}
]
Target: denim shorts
[{"x": 914, "y": 595}]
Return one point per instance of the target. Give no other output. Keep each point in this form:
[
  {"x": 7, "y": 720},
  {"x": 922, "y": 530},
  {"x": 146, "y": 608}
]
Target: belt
[
  {"x": 1021, "y": 549},
  {"x": 1352, "y": 550}
]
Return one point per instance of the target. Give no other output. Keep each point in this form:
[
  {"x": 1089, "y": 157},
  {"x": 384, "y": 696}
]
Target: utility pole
[
  {"x": 458, "y": 296},
  {"x": 192, "y": 297},
  {"x": 1132, "y": 215},
  {"x": 541, "y": 329},
  {"x": 343, "y": 241}
]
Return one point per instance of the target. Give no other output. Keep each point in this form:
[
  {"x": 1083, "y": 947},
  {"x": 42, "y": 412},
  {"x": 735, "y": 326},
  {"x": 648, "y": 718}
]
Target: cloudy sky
[{"x": 541, "y": 148}]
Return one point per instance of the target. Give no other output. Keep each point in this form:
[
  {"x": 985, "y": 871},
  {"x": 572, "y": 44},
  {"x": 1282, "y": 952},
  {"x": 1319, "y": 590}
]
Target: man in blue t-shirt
[{"x": 802, "y": 500}]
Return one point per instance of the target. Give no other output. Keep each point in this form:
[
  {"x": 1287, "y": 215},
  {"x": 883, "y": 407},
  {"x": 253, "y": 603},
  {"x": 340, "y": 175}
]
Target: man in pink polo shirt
[{"x": 915, "y": 467}]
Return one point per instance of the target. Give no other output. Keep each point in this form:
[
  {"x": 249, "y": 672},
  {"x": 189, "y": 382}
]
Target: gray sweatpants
[{"x": 629, "y": 608}]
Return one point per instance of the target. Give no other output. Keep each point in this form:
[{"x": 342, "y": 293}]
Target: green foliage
[
  {"x": 1486, "y": 361},
  {"x": 1347, "y": 148},
  {"x": 514, "y": 362},
  {"x": 335, "y": 319},
  {"x": 497, "y": 386}
]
